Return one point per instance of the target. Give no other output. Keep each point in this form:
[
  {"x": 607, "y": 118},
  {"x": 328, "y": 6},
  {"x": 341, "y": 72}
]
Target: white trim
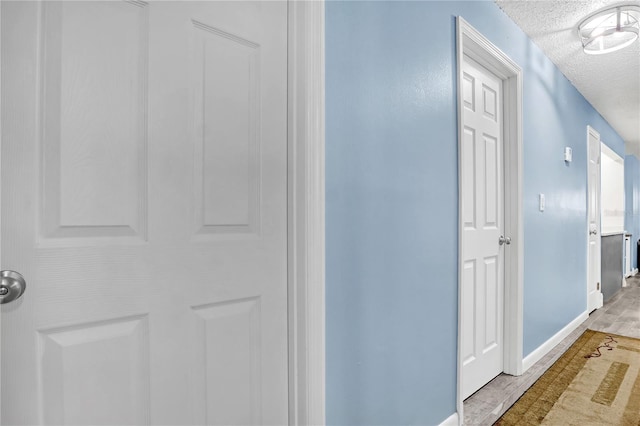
[
  {"x": 1, "y": 71},
  {"x": 452, "y": 420},
  {"x": 626, "y": 257},
  {"x": 306, "y": 213},
  {"x": 470, "y": 42},
  {"x": 631, "y": 274},
  {"x": 547, "y": 346}
]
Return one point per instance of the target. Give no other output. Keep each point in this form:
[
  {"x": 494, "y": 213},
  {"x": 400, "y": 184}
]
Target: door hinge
[{"x": 598, "y": 286}]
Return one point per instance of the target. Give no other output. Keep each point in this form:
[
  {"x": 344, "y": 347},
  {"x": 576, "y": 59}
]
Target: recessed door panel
[
  {"x": 469, "y": 176},
  {"x": 490, "y": 103},
  {"x": 492, "y": 302},
  {"x": 93, "y": 75},
  {"x": 469, "y": 91},
  {"x": 227, "y": 131},
  {"x": 229, "y": 354},
  {"x": 96, "y": 374},
  {"x": 491, "y": 181},
  {"x": 469, "y": 349}
]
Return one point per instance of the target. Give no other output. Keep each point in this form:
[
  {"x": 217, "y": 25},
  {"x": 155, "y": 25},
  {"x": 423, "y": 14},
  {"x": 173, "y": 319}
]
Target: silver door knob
[
  {"x": 12, "y": 286},
  {"x": 504, "y": 240}
]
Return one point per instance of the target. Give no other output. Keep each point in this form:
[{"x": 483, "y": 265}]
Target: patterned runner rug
[{"x": 595, "y": 382}]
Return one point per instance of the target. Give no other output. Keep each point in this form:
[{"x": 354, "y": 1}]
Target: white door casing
[
  {"x": 1, "y": 110},
  {"x": 594, "y": 291},
  {"x": 483, "y": 224},
  {"x": 133, "y": 265},
  {"x": 472, "y": 44},
  {"x": 306, "y": 213}
]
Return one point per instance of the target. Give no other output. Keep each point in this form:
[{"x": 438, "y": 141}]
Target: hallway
[{"x": 620, "y": 315}]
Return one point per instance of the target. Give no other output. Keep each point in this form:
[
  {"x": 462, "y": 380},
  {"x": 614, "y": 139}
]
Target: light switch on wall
[
  {"x": 568, "y": 154},
  {"x": 541, "y": 202}
]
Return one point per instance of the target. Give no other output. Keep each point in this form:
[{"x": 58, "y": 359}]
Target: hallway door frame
[
  {"x": 306, "y": 223},
  {"x": 472, "y": 43}
]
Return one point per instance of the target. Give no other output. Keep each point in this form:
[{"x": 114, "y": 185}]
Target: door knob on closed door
[
  {"x": 12, "y": 286},
  {"x": 504, "y": 240}
]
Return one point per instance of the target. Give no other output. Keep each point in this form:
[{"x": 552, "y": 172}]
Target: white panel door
[
  {"x": 144, "y": 200},
  {"x": 482, "y": 212},
  {"x": 594, "y": 292}
]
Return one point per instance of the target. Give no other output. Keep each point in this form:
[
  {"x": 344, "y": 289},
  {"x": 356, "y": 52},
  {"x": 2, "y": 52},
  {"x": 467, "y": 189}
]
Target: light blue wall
[
  {"x": 392, "y": 192},
  {"x": 632, "y": 204}
]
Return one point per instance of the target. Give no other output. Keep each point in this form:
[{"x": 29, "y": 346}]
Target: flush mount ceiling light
[{"x": 610, "y": 29}]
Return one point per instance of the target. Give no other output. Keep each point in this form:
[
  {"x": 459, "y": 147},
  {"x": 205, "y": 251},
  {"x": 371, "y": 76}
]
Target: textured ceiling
[{"x": 610, "y": 82}]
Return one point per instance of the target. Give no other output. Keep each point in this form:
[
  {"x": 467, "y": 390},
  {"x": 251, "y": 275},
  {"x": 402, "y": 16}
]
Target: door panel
[
  {"x": 76, "y": 374},
  {"x": 144, "y": 199},
  {"x": 94, "y": 112},
  {"x": 229, "y": 355},
  {"x": 483, "y": 224},
  {"x": 227, "y": 132}
]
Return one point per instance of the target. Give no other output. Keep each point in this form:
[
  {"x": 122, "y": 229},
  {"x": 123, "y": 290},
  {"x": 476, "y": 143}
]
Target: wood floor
[{"x": 619, "y": 315}]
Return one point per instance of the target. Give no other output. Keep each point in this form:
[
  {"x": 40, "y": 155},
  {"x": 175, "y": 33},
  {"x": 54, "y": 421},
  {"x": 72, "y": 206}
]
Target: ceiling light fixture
[{"x": 610, "y": 29}]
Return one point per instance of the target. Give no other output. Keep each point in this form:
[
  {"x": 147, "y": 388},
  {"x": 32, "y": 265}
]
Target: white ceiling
[{"x": 610, "y": 82}]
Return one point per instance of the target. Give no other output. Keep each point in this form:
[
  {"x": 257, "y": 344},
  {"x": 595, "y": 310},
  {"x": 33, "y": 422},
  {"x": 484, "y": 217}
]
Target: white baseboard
[
  {"x": 452, "y": 420},
  {"x": 544, "y": 349}
]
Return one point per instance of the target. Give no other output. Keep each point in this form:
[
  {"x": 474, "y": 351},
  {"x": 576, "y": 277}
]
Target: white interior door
[
  {"x": 482, "y": 212},
  {"x": 144, "y": 200},
  {"x": 594, "y": 291}
]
